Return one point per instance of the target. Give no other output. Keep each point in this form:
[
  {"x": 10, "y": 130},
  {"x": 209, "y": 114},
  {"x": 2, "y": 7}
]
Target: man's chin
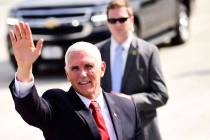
[{"x": 86, "y": 92}]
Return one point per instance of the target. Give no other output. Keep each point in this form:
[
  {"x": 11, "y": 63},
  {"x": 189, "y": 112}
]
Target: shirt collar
[
  {"x": 99, "y": 99},
  {"x": 126, "y": 44}
]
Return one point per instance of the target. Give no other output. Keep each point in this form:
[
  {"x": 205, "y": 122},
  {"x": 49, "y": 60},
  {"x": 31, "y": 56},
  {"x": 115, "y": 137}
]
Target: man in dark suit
[
  {"x": 67, "y": 115},
  {"x": 135, "y": 72}
]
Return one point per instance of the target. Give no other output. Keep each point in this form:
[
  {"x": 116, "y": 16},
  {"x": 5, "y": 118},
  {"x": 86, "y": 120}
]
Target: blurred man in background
[{"x": 133, "y": 67}]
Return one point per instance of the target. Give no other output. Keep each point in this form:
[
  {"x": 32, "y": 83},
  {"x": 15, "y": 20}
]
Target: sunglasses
[{"x": 120, "y": 20}]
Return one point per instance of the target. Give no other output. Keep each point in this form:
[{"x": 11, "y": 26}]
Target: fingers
[
  {"x": 17, "y": 32},
  {"x": 23, "y": 29},
  {"x": 39, "y": 46},
  {"x": 27, "y": 31},
  {"x": 12, "y": 37}
]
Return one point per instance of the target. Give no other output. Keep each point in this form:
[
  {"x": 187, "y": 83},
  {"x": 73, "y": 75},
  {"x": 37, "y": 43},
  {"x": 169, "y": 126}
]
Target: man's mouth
[{"x": 84, "y": 82}]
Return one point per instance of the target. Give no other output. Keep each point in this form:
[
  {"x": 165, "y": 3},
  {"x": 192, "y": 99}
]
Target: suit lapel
[
  {"x": 130, "y": 63},
  {"x": 87, "y": 116},
  {"x": 106, "y": 57},
  {"x": 114, "y": 114},
  {"x": 84, "y": 114}
]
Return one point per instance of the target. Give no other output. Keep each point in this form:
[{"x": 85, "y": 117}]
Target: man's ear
[
  {"x": 132, "y": 19},
  {"x": 103, "y": 68},
  {"x": 132, "y": 26},
  {"x": 67, "y": 75}
]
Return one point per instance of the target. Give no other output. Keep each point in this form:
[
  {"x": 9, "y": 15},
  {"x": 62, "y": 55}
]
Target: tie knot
[
  {"x": 119, "y": 48},
  {"x": 94, "y": 105}
]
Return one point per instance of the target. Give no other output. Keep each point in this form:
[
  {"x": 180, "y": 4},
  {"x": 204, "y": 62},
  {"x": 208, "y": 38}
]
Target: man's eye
[
  {"x": 88, "y": 66},
  {"x": 74, "y": 69}
]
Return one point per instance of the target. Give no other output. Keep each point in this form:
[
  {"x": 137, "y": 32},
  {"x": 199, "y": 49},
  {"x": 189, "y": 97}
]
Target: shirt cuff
[{"x": 22, "y": 89}]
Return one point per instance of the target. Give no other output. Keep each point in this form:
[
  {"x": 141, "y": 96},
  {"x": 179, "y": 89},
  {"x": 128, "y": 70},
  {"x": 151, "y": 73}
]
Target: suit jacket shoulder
[
  {"x": 103, "y": 43},
  {"x": 124, "y": 115},
  {"x": 144, "y": 47}
]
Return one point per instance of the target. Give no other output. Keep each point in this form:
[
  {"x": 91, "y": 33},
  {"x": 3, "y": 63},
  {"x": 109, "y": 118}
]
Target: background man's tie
[
  {"x": 99, "y": 120},
  {"x": 117, "y": 69}
]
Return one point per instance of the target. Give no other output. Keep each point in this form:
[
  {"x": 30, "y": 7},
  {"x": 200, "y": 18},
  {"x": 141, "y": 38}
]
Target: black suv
[{"x": 62, "y": 22}]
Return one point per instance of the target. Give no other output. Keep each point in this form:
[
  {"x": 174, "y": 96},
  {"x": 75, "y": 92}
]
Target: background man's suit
[
  {"x": 142, "y": 79},
  {"x": 62, "y": 115}
]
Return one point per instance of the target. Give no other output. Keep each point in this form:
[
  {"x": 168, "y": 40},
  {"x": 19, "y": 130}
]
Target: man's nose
[
  {"x": 117, "y": 24},
  {"x": 83, "y": 73}
]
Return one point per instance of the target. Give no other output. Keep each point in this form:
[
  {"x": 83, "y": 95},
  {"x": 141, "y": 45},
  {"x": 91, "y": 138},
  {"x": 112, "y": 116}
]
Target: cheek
[
  {"x": 93, "y": 74},
  {"x": 112, "y": 27},
  {"x": 71, "y": 77},
  {"x": 129, "y": 25}
]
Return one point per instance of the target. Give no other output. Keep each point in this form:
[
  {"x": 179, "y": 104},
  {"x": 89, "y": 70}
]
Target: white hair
[{"x": 83, "y": 46}]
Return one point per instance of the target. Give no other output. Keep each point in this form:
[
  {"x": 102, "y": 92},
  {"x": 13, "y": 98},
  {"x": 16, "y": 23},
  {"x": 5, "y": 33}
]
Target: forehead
[
  {"x": 118, "y": 12},
  {"x": 76, "y": 57}
]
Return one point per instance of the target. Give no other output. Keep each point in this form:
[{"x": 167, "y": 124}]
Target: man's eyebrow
[
  {"x": 73, "y": 67},
  {"x": 89, "y": 64}
]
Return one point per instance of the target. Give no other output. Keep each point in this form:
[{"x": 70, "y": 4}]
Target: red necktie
[{"x": 99, "y": 120}]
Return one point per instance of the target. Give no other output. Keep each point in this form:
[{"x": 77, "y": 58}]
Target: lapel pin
[{"x": 115, "y": 114}]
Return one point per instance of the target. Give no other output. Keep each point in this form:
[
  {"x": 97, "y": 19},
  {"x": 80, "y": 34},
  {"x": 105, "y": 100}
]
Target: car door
[{"x": 157, "y": 16}]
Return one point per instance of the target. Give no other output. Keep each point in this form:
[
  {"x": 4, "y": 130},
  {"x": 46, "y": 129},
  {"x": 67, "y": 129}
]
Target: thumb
[{"x": 39, "y": 45}]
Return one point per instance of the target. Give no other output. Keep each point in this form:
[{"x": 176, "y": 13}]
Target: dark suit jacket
[
  {"x": 63, "y": 116},
  {"x": 143, "y": 78}
]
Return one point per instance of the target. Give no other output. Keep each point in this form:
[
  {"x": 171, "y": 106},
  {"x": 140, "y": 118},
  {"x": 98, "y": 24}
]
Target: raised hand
[{"x": 25, "y": 52}]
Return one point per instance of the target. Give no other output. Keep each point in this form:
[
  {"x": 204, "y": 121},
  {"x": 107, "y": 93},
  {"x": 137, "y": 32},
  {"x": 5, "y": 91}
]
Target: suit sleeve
[
  {"x": 156, "y": 94},
  {"x": 139, "y": 135},
  {"x": 33, "y": 109}
]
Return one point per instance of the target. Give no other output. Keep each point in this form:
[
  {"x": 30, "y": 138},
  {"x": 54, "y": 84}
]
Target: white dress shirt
[{"x": 22, "y": 89}]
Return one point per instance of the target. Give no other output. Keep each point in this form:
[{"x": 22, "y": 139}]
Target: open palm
[{"x": 24, "y": 49}]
